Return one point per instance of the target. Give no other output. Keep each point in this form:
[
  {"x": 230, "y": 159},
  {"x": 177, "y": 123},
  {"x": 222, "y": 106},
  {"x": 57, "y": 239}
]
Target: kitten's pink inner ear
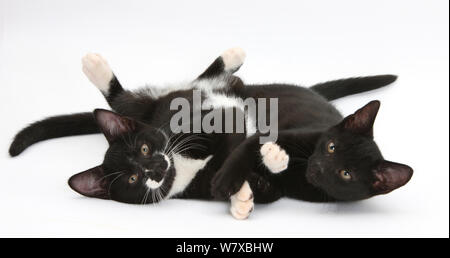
[
  {"x": 90, "y": 183},
  {"x": 390, "y": 176},
  {"x": 113, "y": 124},
  {"x": 363, "y": 119}
]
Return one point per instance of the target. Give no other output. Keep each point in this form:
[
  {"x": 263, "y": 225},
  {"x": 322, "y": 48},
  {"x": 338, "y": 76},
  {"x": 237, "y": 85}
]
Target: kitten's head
[
  {"x": 136, "y": 168},
  {"x": 347, "y": 163}
]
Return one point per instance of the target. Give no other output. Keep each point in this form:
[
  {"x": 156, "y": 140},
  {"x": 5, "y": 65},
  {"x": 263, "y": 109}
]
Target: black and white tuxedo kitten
[
  {"x": 319, "y": 156},
  {"x": 146, "y": 161}
]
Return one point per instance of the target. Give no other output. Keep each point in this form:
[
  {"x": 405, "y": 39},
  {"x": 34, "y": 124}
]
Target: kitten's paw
[
  {"x": 274, "y": 158},
  {"x": 242, "y": 202},
  {"x": 233, "y": 58},
  {"x": 98, "y": 71}
]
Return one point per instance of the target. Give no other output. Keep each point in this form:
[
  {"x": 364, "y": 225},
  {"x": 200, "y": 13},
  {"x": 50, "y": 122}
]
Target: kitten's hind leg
[
  {"x": 256, "y": 190},
  {"x": 244, "y": 160},
  {"x": 242, "y": 202},
  {"x": 97, "y": 69},
  {"x": 122, "y": 101},
  {"x": 228, "y": 62}
]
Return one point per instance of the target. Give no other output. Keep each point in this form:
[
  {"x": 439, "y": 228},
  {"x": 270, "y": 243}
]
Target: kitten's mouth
[
  {"x": 152, "y": 184},
  {"x": 312, "y": 174},
  {"x": 312, "y": 178}
]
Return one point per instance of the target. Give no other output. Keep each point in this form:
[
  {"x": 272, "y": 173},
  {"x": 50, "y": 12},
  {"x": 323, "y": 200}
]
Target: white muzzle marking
[{"x": 152, "y": 184}]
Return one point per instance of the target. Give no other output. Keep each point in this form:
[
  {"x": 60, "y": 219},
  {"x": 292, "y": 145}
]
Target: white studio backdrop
[{"x": 157, "y": 42}]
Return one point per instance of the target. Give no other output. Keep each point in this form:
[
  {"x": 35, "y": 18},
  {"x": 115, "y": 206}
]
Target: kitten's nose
[
  {"x": 159, "y": 162},
  {"x": 156, "y": 168},
  {"x": 319, "y": 168}
]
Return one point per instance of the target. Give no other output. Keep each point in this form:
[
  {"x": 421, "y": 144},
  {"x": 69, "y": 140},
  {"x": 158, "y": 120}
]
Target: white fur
[
  {"x": 213, "y": 98},
  {"x": 274, "y": 157},
  {"x": 211, "y": 84},
  {"x": 98, "y": 71},
  {"x": 167, "y": 159},
  {"x": 203, "y": 85},
  {"x": 152, "y": 184},
  {"x": 242, "y": 202},
  {"x": 218, "y": 100},
  {"x": 233, "y": 58},
  {"x": 186, "y": 169},
  {"x": 158, "y": 92},
  {"x": 250, "y": 126}
]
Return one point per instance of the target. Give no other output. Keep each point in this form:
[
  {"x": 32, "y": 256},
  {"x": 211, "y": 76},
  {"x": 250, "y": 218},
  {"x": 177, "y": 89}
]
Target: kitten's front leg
[
  {"x": 274, "y": 157},
  {"x": 233, "y": 59},
  {"x": 235, "y": 170}
]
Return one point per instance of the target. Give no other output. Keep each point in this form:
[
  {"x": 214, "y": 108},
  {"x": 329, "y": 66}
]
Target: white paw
[
  {"x": 274, "y": 157},
  {"x": 242, "y": 202},
  {"x": 233, "y": 58},
  {"x": 98, "y": 71}
]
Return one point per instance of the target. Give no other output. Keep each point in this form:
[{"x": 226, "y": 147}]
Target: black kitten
[{"x": 319, "y": 156}]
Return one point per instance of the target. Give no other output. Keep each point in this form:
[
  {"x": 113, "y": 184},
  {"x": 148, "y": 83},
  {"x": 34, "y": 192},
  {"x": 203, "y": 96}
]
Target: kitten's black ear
[
  {"x": 390, "y": 176},
  {"x": 362, "y": 120},
  {"x": 113, "y": 124},
  {"x": 90, "y": 183}
]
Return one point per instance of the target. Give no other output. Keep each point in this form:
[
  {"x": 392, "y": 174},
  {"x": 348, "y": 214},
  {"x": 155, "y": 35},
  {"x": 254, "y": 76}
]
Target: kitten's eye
[
  {"x": 331, "y": 147},
  {"x": 145, "y": 149},
  {"x": 345, "y": 174},
  {"x": 132, "y": 179}
]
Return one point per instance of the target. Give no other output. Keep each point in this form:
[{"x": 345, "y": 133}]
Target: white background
[{"x": 301, "y": 42}]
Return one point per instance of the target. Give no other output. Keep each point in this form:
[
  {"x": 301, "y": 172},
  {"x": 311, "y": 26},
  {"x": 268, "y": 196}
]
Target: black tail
[
  {"x": 53, "y": 127},
  {"x": 341, "y": 88}
]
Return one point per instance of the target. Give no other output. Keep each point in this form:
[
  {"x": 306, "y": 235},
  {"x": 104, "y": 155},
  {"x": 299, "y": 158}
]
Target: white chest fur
[{"x": 186, "y": 169}]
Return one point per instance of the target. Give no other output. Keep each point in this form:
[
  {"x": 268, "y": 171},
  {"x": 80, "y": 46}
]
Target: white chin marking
[
  {"x": 152, "y": 184},
  {"x": 98, "y": 71},
  {"x": 233, "y": 58}
]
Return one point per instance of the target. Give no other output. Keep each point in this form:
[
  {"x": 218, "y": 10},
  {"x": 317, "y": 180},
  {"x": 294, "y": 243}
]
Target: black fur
[
  {"x": 345, "y": 87},
  {"x": 145, "y": 120},
  {"x": 53, "y": 127},
  {"x": 306, "y": 120},
  {"x": 313, "y": 174}
]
